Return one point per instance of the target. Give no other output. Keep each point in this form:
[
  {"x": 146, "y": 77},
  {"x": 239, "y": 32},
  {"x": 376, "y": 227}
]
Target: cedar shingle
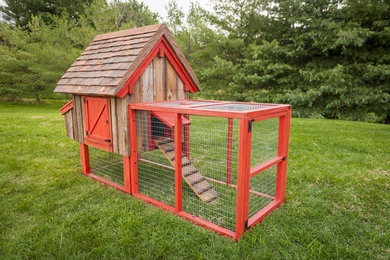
[{"x": 112, "y": 58}]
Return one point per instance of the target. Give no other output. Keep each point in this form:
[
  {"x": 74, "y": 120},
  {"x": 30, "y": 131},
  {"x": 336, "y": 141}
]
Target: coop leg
[
  {"x": 281, "y": 172},
  {"x": 84, "y": 159},
  {"x": 178, "y": 164},
  {"x": 243, "y": 179},
  {"x": 126, "y": 173},
  {"x": 229, "y": 151}
]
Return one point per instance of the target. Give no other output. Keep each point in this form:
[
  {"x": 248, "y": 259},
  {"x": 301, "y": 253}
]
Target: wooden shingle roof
[{"x": 111, "y": 58}]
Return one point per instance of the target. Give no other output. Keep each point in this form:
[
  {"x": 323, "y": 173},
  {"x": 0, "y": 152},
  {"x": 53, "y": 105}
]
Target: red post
[
  {"x": 84, "y": 159},
  {"x": 133, "y": 154},
  {"x": 229, "y": 151},
  {"x": 178, "y": 163},
  {"x": 127, "y": 173},
  {"x": 281, "y": 172},
  {"x": 244, "y": 154}
]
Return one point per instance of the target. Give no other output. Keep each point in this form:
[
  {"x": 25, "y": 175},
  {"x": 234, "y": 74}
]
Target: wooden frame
[{"x": 245, "y": 173}]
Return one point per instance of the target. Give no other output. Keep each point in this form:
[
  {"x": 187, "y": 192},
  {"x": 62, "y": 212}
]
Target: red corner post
[
  {"x": 127, "y": 173},
  {"x": 244, "y": 154},
  {"x": 281, "y": 172},
  {"x": 84, "y": 154},
  {"x": 178, "y": 163},
  {"x": 133, "y": 153}
]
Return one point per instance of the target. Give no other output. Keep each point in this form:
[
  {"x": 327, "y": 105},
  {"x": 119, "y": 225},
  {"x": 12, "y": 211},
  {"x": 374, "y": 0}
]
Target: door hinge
[
  {"x": 250, "y": 125},
  {"x": 246, "y": 224},
  {"x": 84, "y": 99},
  {"x": 107, "y": 140},
  {"x": 86, "y": 132}
]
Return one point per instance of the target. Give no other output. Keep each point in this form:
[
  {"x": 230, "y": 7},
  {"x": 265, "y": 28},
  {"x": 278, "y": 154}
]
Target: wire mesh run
[
  {"x": 265, "y": 136},
  {"x": 262, "y": 190},
  {"x": 106, "y": 165},
  {"x": 236, "y": 107},
  {"x": 156, "y": 173},
  {"x": 217, "y": 161}
]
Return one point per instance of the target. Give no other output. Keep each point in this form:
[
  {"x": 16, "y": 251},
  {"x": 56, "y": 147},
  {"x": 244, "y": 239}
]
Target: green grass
[{"x": 338, "y": 199}]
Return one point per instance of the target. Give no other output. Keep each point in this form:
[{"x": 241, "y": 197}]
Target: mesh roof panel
[{"x": 236, "y": 107}]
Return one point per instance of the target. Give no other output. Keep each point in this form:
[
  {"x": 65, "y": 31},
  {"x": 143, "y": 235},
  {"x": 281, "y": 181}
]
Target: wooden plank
[
  {"x": 171, "y": 85},
  {"x": 114, "y": 125},
  {"x": 190, "y": 174},
  {"x": 148, "y": 84},
  {"x": 68, "y": 124},
  {"x": 74, "y": 119},
  {"x": 179, "y": 88},
  {"x": 80, "y": 119},
  {"x": 159, "y": 75}
]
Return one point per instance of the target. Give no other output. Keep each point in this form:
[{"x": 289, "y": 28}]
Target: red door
[{"x": 97, "y": 119}]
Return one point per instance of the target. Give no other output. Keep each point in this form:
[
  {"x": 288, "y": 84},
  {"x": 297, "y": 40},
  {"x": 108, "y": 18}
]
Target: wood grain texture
[
  {"x": 69, "y": 124},
  {"x": 179, "y": 87},
  {"x": 171, "y": 82},
  {"x": 159, "y": 78}
]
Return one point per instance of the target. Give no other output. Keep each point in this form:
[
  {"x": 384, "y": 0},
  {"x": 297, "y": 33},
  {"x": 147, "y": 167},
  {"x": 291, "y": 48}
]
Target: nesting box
[{"x": 219, "y": 164}]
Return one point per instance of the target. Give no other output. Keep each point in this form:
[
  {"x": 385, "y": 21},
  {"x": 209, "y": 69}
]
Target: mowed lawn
[{"x": 338, "y": 199}]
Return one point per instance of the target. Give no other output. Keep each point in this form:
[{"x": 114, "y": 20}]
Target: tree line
[{"x": 328, "y": 58}]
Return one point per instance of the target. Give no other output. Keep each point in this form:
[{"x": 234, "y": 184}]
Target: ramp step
[
  {"x": 198, "y": 180},
  {"x": 190, "y": 174}
]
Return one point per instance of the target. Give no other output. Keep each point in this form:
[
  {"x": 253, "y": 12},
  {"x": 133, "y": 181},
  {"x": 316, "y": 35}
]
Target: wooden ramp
[{"x": 190, "y": 174}]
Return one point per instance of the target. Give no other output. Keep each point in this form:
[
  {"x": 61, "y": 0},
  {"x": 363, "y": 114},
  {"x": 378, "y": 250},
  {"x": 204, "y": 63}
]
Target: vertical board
[
  {"x": 171, "y": 82},
  {"x": 78, "y": 119},
  {"x": 159, "y": 76},
  {"x": 179, "y": 88},
  {"x": 114, "y": 124},
  {"x": 69, "y": 124}
]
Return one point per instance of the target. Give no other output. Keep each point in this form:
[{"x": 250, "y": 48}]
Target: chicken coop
[{"x": 219, "y": 164}]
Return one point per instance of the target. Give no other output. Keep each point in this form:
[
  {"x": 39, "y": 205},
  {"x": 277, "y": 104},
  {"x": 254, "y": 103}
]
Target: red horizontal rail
[
  {"x": 261, "y": 214},
  {"x": 199, "y": 221},
  {"x": 68, "y": 106},
  {"x": 264, "y": 166}
]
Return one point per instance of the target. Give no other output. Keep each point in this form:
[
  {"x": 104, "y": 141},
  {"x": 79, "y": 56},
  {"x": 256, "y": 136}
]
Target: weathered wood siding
[
  {"x": 78, "y": 119},
  {"x": 159, "y": 82}
]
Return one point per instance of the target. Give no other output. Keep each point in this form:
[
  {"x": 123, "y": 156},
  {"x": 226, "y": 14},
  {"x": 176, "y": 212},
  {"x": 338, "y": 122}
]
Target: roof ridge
[{"x": 128, "y": 32}]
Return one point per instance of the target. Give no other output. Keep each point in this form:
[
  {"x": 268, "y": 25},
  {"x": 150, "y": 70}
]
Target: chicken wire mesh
[
  {"x": 156, "y": 174},
  {"x": 106, "y": 165},
  {"x": 209, "y": 153},
  {"x": 265, "y": 137},
  {"x": 262, "y": 190},
  {"x": 208, "y": 191}
]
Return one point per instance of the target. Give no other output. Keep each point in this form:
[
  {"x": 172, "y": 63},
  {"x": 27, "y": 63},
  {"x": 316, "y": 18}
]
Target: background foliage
[{"x": 329, "y": 58}]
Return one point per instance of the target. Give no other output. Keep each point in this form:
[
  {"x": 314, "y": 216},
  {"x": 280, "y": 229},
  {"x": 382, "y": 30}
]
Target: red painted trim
[
  {"x": 127, "y": 173},
  {"x": 84, "y": 156},
  {"x": 201, "y": 222},
  {"x": 265, "y": 165},
  {"x": 178, "y": 163},
  {"x": 169, "y": 118},
  {"x": 269, "y": 116},
  {"x": 68, "y": 106},
  {"x": 133, "y": 152},
  {"x": 113, "y": 184},
  {"x": 281, "y": 172},
  {"x": 244, "y": 153},
  {"x": 229, "y": 150},
  {"x": 259, "y": 216},
  {"x": 194, "y": 111},
  {"x": 161, "y": 48}
]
